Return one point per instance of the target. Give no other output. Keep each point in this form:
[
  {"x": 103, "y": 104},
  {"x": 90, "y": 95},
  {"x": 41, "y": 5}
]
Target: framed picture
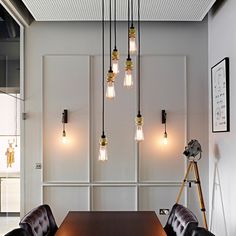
[{"x": 220, "y": 96}]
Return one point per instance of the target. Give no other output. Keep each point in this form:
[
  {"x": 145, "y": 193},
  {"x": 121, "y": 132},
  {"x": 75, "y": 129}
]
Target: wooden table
[{"x": 107, "y": 223}]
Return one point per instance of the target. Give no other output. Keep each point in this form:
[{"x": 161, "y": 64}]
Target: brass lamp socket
[
  {"x": 115, "y": 54},
  {"x": 132, "y": 32},
  {"x": 103, "y": 141},
  {"x": 128, "y": 64},
  {"x": 139, "y": 120},
  {"x": 165, "y": 135},
  {"x": 110, "y": 76}
]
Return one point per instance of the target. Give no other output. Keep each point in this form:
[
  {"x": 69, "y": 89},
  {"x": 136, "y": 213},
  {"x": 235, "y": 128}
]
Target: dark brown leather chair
[
  {"x": 39, "y": 222},
  {"x": 181, "y": 221},
  {"x": 201, "y": 232},
  {"x": 18, "y": 232}
]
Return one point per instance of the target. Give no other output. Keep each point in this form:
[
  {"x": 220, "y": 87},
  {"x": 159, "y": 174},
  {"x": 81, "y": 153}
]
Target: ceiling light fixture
[
  {"x": 110, "y": 93},
  {"x": 128, "y": 80},
  {"x": 115, "y": 52},
  {"x": 139, "y": 136},
  {"x": 64, "y": 121},
  {"x": 103, "y": 141}
]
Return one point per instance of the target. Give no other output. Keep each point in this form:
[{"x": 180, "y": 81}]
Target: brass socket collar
[
  {"x": 115, "y": 54},
  {"x": 128, "y": 64},
  {"x": 103, "y": 141},
  {"x": 110, "y": 76},
  {"x": 139, "y": 120},
  {"x": 132, "y": 32}
]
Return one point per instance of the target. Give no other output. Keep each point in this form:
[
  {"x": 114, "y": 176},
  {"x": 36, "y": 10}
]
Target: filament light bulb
[
  {"x": 139, "y": 136},
  {"x": 132, "y": 40},
  {"x": 165, "y": 139},
  {"x": 103, "y": 149},
  {"x": 64, "y": 137},
  {"x": 115, "y": 61},
  {"x": 110, "y": 93},
  {"x": 128, "y": 80}
]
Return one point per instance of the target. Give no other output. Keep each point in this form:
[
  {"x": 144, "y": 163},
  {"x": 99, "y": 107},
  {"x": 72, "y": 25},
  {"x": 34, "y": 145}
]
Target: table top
[{"x": 111, "y": 223}]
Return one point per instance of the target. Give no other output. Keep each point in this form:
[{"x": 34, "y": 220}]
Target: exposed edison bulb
[
  {"x": 132, "y": 42},
  {"x": 103, "y": 149},
  {"x": 110, "y": 93},
  {"x": 128, "y": 80},
  {"x": 139, "y": 136},
  {"x": 132, "y": 45},
  {"x": 64, "y": 137},
  {"x": 165, "y": 139},
  {"x": 102, "y": 153},
  {"x": 115, "y": 66},
  {"x": 115, "y": 61}
]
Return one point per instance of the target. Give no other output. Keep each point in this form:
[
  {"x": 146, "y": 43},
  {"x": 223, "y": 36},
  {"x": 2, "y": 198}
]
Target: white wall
[
  {"x": 222, "y": 43},
  {"x": 173, "y": 39}
]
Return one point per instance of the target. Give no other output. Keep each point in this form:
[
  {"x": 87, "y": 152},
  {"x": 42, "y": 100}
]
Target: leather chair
[
  {"x": 181, "y": 221},
  {"x": 201, "y": 232},
  {"x": 39, "y": 222},
  {"x": 18, "y": 232}
]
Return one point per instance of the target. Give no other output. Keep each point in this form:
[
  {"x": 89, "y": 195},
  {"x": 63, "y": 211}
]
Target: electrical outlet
[
  {"x": 38, "y": 166},
  {"x": 164, "y": 211}
]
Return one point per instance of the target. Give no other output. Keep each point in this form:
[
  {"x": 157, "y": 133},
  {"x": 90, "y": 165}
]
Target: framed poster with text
[{"x": 220, "y": 96}]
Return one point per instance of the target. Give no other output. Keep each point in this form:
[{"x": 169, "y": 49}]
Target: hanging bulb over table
[
  {"x": 132, "y": 40},
  {"x": 103, "y": 149},
  {"x": 128, "y": 80},
  {"x": 110, "y": 92},
  {"x": 115, "y": 61},
  {"x": 139, "y": 136}
]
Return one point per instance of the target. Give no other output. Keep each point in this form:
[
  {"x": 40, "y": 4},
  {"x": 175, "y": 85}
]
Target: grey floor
[{"x": 8, "y": 223}]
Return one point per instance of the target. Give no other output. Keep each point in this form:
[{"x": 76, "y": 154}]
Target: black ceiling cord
[
  {"x": 128, "y": 28},
  {"x": 103, "y": 75},
  {"x": 139, "y": 47}
]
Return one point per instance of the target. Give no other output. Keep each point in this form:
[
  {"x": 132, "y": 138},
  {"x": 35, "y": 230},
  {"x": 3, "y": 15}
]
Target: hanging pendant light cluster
[{"x": 114, "y": 70}]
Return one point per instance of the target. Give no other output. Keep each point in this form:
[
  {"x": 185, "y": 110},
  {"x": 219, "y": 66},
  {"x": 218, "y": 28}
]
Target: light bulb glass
[
  {"x": 64, "y": 137},
  {"x": 115, "y": 66},
  {"x": 165, "y": 139},
  {"x": 132, "y": 45},
  {"x": 139, "y": 136},
  {"x": 128, "y": 80},
  {"x": 102, "y": 153},
  {"x": 110, "y": 93}
]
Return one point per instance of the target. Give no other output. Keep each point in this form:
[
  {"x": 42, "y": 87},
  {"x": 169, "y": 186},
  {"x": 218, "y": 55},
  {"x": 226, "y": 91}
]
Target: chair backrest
[
  {"x": 181, "y": 221},
  {"x": 201, "y": 232},
  {"x": 18, "y": 232},
  {"x": 39, "y": 222}
]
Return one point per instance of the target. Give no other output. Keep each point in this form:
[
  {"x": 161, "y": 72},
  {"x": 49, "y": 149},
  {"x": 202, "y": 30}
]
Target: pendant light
[
  {"x": 128, "y": 80},
  {"x": 103, "y": 141},
  {"x": 139, "y": 136},
  {"x": 115, "y": 52},
  {"x": 163, "y": 120},
  {"x": 110, "y": 93},
  {"x": 132, "y": 32}
]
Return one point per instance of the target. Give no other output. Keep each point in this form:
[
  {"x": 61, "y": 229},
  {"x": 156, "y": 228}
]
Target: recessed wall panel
[
  {"x": 163, "y": 86},
  {"x": 119, "y": 127},
  {"x": 66, "y": 86},
  {"x": 63, "y": 199},
  {"x": 156, "y": 198},
  {"x": 114, "y": 198}
]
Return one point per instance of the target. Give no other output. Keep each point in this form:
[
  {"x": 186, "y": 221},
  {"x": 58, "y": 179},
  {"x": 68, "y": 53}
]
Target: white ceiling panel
[{"x": 90, "y": 10}]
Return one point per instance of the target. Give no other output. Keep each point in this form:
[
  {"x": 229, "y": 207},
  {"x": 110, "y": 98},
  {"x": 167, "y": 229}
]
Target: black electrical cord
[
  {"x": 115, "y": 22},
  {"x": 128, "y": 28},
  {"x": 103, "y": 75},
  {"x": 139, "y": 46},
  {"x": 132, "y": 13},
  {"x": 110, "y": 38}
]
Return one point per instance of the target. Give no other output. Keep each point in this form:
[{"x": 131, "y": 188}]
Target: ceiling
[{"x": 90, "y": 10}]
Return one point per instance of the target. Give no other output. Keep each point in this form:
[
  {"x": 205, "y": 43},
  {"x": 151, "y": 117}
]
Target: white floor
[{"x": 8, "y": 223}]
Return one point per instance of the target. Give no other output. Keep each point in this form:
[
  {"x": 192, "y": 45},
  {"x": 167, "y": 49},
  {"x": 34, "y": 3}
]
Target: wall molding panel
[{"x": 133, "y": 177}]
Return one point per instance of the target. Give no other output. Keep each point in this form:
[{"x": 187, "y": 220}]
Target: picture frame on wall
[{"x": 220, "y": 96}]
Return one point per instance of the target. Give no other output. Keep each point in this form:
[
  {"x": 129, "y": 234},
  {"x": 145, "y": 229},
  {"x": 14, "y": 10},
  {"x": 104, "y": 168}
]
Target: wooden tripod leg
[
  {"x": 184, "y": 181},
  {"x": 200, "y": 195}
]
